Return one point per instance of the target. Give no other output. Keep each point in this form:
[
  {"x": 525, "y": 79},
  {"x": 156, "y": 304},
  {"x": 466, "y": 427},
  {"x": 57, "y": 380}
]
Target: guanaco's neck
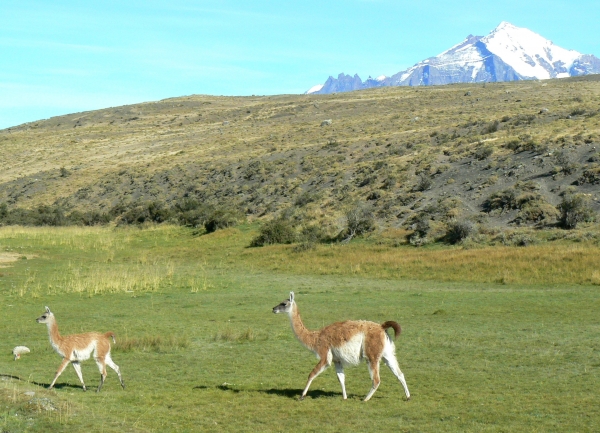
[
  {"x": 53, "y": 331},
  {"x": 306, "y": 337}
]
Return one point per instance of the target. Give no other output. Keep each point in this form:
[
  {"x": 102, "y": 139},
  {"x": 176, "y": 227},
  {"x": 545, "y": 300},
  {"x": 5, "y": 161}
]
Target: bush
[
  {"x": 590, "y": 175},
  {"x": 505, "y": 200},
  {"x": 525, "y": 142},
  {"x": 516, "y": 239},
  {"x": 484, "y": 152},
  {"x": 41, "y": 216},
  {"x": 421, "y": 228},
  {"x": 306, "y": 198},
  {"x": 220, "y": 219},
  {"x": 89, "y": 218},
  {"x": 191, "y": 213},
  {"x": 145, "y": 212},
  {"x": 565, "y": 162},
  {"x": 491, "y": 127},
  {"x": 277, "y": 231},
  {"x": 359, "y": 220},
  {"x": 574, "y": 209},
  {"x": 537, "y": 211},
  {"x": 460, "y": 230},
  {"x": 424, "y": 183}
]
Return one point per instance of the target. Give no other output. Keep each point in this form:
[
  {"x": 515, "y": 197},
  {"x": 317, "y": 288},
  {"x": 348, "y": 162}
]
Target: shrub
[
  {"x": 524, "y": 143},
  {"x": 220, "y": 219},
  {"x": 537, "y": 211},
  {"x": 424, "y": 183},
  {"x": 389, "y": 182},
  {"x": 3, "y": 211},
  {"x": 417, "y": 240},
  {"x": 484, "y": 152},
  {"x": 590, "y": 175},
  {"x": 505, "y": 200},
  {"x": 145, "y": 212},
  {"x": 460, "y": 230},
  {"x": 89, "y": 218},
  {"x": 306, "y": 198},
  {"x": 565, "y": 162},
  {"x": 312, "y": 234},
  {"x": 359, "y": 220},
  {"x": 491, "y": 127},
  {"x": 277, "y": 231},
  {"x": 420, "y": 235},
  {"x": 522, "y": 240},
  {"x": 574, "y": 209},
  {"x": 517, "y": 239}
]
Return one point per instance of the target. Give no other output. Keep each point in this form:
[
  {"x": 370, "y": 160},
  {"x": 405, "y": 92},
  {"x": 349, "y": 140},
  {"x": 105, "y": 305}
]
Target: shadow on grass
[
  {"x": 41, "y": 384},
  {"x": 286, "y": 392},
  {"x": 296, "y": 393}
]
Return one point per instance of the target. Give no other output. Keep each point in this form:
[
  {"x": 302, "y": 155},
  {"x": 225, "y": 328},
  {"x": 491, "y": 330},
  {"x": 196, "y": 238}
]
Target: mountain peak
[
  {"x": 507, "y": 53},
  {"x": 505, "y": 25}
]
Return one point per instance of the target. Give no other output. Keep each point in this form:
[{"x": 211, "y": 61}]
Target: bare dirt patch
[{"x": 7, "y": 258}]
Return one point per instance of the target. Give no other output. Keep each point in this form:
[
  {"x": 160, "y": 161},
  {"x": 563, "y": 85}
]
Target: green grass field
[{"x": 490, "y": 342}]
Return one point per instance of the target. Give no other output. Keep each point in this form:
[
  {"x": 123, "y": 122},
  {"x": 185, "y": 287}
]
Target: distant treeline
[{"x": 187, "y": 212}]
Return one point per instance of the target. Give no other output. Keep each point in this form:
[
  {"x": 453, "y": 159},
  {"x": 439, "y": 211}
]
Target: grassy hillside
[
  {"x": 495, "y": 339},
  {"x": 443, "y": 151}
]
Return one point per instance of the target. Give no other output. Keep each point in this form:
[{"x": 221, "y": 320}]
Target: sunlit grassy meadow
[{"x": 494, "y": 338}]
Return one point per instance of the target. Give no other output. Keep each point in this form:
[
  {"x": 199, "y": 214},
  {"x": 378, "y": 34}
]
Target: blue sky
[{"x": 65, "y": 56}]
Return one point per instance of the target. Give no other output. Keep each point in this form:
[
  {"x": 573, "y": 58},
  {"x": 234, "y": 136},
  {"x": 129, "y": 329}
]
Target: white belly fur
[
  {"x": 83, "y": 353},
  {"x": 350, "y": 353}
]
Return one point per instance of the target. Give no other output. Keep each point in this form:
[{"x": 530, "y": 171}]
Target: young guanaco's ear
[
  {"x": 292, "y": 297},
  {"x": 47, "y": 310}
]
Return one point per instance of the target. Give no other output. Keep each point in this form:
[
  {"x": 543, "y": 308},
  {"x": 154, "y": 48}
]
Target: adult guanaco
[
  {"x": 76, "y": 348},
  {"x": 346, "y": 344}
]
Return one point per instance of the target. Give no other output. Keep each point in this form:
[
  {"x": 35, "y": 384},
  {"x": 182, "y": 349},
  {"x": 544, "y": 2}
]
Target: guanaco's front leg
[{"x": 62, "y": 367}]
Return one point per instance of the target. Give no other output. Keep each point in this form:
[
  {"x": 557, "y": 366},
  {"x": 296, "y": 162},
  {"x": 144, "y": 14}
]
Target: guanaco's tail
[
  {"x": 392, "y": 324},
  {"x": 111, "y": 334}
]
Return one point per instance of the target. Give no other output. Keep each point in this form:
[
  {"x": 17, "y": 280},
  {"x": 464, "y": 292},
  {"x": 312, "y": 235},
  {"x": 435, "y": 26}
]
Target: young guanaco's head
[
  {"x": 285, "y": 306},
  {"x": 44, "y": 318}
]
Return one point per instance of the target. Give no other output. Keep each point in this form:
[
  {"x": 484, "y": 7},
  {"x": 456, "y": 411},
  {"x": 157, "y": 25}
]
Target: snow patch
[
  {"x": 314, "y": 89},
  {"x": 528, "y": 53}
]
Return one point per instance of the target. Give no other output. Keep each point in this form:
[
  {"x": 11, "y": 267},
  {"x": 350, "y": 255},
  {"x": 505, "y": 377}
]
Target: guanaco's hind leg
[
  {"x": 61, "y": 368},
  {"x": 100, "y": 361},
  {"x": 77, "y": 366},
  {"x": 389, "y": 357},
  {"x": 373, "y": 364}
]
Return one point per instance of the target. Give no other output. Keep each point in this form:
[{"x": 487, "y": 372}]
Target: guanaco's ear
[
  {"x": 47, "y": 310},
  {"x": 291, "y": 296}
]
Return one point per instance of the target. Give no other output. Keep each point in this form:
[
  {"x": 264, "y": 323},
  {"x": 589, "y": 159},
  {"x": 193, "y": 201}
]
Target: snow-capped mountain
[{"x": 508, "y": 53}]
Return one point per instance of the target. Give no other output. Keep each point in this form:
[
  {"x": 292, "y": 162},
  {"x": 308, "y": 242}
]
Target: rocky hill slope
[{"x": 500, "y": 154}]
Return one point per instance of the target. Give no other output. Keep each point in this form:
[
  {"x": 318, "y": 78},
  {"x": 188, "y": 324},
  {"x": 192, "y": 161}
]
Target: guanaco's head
[
  {"x": 44, "y": 318},
  {"x": 285, "y": 306}
]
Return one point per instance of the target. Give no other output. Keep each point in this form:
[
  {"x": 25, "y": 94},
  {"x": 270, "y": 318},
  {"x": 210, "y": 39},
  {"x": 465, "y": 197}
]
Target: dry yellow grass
[{"x": 551, "y": 263}]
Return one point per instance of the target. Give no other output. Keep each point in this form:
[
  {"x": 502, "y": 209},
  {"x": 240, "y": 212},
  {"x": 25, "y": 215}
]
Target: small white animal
[{"x": 20, "y": 350}]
